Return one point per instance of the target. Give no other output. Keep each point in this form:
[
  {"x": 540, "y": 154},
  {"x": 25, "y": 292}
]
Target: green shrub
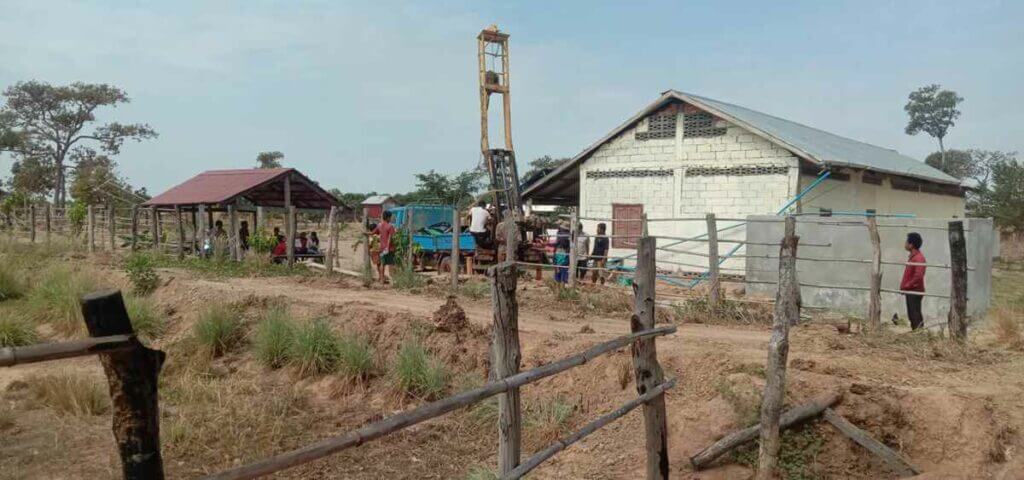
[
  {"x": 418, "y": 373},
  {"x": 406, "y": 279},
  {"x": 219, "y": 328},
  {"x": 262, "y": 241},
  {"x": 56, "y": 299},
  {"x": 316, "y": 349},
  {"x": 11, "y": 285},
  {"x": 15, "y": 332},
  {"x": 798, "y": 451},
  {"x": 480, "y": 472},
  {"x": 141, "y": 269},
  {"x": 554, "y": 413},
  {"x": 147, "y": 319},
  {"x": 355, "y": 356},
  {"x": 275, "y": 336},
  {"x": 76, "y": 216}
]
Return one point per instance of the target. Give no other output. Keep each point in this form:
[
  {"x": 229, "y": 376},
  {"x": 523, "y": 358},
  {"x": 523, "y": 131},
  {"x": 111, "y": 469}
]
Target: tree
[
  {"x": 1004, "y": 201},
  {"x": 49, "y": 122},
  {"x": 96, "y": 181},
  {"x": 433, "y": 187},
  {"x": 933, "y": 111},
  {"x": 269, "y": 159},
  {"x": 542, "y": 165},
  {"x": 958, "y": 163},
  {"x": 32, "y": 177}
]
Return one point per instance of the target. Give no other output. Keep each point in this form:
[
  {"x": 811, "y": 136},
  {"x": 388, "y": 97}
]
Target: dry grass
[
  {"x": 15, "y": 331},
  {"x": 70, "y": 392},
  {"x": 1008, "y": 325},
  {"x": 55, "y": 298}
]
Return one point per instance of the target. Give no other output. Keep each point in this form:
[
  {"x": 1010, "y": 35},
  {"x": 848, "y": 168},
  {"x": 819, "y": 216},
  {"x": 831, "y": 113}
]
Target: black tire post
[
  {"x": 132, "y": 376},
  {"x": 957, "y": 320}
]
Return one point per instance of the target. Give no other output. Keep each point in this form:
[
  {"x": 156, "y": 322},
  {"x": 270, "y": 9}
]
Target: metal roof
[
  {"x": 260, "y": 186},
  {"x": 376, "y": 199},
  {"x": 811, "y": 144}
]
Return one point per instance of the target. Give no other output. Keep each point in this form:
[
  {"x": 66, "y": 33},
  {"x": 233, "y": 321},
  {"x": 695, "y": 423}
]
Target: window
[{"x": 626, "y": 221}]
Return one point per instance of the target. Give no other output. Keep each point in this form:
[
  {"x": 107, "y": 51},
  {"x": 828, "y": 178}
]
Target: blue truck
[{"x": 432, "y": 235}]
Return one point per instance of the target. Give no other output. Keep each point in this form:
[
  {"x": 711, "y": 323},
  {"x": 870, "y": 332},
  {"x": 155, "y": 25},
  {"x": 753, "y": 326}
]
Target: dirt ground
[{"x": 955, "y": 413}]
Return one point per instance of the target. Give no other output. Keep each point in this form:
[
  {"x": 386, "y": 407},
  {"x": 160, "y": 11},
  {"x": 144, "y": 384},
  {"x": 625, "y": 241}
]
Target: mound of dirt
[{"x": 450, "y": 317}]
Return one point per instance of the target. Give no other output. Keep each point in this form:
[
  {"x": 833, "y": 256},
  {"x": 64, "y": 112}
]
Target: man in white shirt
[{"x": 478, "y": 218}]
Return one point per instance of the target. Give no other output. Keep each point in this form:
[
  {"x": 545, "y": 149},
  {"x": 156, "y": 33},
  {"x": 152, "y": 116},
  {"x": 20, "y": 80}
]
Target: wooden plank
[
  {"x": 573, "y": 254},
  {"x": 454, "y": 260},
  {"x": 181, "y": 232},
  {"x": 875, "y": 295},
  {"x": 957, "y": 319},
  {"x": 542, "y": 456},
  {"x": 787, "y": 312},
  {"x": 714, "y": 285},
  {"x": 332, "y": 239},
  {"x": 791, "y": 417},
  {"x": 646, "y": 369},
  {"x": 506, "y": 361},
  {"x": 133, "y": 376},
  {"x": 426, "y": 412},
  {"x": 10, "y": 356},
  {"x": 891, "y": 458}
]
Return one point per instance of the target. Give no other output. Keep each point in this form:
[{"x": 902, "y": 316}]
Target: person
[
  {"x": 385, "y": 230},
  {"x": 478, "y": 218},
  {"x": 243, "y": 235},
  {"x": 314, "y": 243},
  {"x": 562, "y": 256},
  {"x": 600, "y": 254},
  {"x": 582, "y": 247},
  {"x": 301, "y": 244},
  {"x": 913, "y": 280},
  {"x": 218, "y": 230},
  {"x": 277, "y": 232},
  {"x": 280, "y": 250}
]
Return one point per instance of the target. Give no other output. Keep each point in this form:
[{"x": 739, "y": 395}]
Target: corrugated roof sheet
[
  {"x": 376, "y": 199},
  {"x": 261, "y": 186}
]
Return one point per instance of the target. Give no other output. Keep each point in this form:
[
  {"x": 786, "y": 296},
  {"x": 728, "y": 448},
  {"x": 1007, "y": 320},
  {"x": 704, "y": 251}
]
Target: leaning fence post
[
  {"x": 957, "y": 320},
  {"x": 32, "y": 223},
  {"x": 112, "y": 228},
  {"x": 132, "y": 377},
  {"x": 875, "y": 300},
  {"x": 787, "y": 312},
  {"x": 506, "y": 362},
  {"x": 714, "y": 284},
  {"x": 454, "y": 260},
  {"x": 91, "y": 233},
  {"x": 646, "y": 369}
]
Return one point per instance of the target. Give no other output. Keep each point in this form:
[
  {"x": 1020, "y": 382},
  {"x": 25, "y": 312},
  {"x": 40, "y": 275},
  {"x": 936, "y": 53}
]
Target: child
[
  {"x": 385, "y": 230},
  {"x": 600, "y": 254},
  {"x": 562, "y": 256},
  {"x": 314, "y": 243},
  {"x": 280, "y": 250},
  {"x": 913, "y": 280}
]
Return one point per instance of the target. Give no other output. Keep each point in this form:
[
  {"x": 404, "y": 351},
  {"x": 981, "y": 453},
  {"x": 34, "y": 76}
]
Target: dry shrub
[
  {"x": 70, "y": 393},
  {"x": 699, "y": 310},
  {"x": 15, "y": 332},
  {"x": 1008, "y": 324},
  {"x": 926, "y": 344}
]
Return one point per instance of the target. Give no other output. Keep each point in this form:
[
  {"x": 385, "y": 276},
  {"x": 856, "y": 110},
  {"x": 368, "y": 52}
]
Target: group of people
[
  {"x": 306, "y": 243},
  {"x": 596, "y": 261},
  {"x": 217, "y": 232}
]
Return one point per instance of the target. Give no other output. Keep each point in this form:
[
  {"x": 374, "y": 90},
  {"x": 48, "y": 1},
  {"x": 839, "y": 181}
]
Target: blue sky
[{"x": 362, "y": 95}]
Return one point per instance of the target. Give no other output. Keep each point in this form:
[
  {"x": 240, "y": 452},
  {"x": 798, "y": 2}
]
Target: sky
[{"x": 363, "y": 95}]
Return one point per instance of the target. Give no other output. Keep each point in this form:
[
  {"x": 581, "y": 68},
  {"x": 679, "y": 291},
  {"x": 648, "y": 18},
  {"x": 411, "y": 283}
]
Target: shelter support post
[
  {"x": 204, "y": 231},
  {"x": 181, "y": 232},
  {"x": 332, "y": 239},
  {"x": 289, "y": 221},
  {"x": 233, "y": 240},
  {"x": 155, "y": 221}
]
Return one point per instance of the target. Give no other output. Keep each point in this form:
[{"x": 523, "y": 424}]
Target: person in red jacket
[{"x": 913, "y": 280}]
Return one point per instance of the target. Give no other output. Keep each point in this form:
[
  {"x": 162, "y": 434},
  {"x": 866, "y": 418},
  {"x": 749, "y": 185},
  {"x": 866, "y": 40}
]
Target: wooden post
[
  {"x": 714, "y": 284},
  {"x": 291, "y": 235},
  {"x": 787, "y": 312},
  {"x": 112, "y": 227},
  {"x": 154, "y": 219},
  {"x": 646, "y": 369},
  {"x": 195, "y": 231},
  {"x": 573, "y": 254},
  {"x": 135, "y": 228},
  {"x": 506, "y": 362},
  {"x": 957, "y": 320},
  {"x": 233, "y": 245},
  {"x": 332, "y": 237},
  {"x": 454, "y": 260},
  {"x": 203, "y": 230},
  {"x": 49, "y": 222},
  {"x": 181, "y": 232},
  {"x": 32, "y": 223},
  {"x": 260, "y": 221},
  {"x": 367, "y": 264},
  {"x": 875, "y": 294},
  {"x": 90, "y": 217},
  {"x": 132, "y": 376},
  {"x": 408, "y": 231}
]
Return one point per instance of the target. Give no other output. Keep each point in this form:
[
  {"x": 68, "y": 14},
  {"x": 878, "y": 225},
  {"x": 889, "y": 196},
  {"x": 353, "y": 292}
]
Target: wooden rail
[{"x": 11, "y": 356}]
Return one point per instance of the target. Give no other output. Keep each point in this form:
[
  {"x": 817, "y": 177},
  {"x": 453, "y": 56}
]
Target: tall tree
[
  {"x": 542, "y": 165},
  {"x": 269, "y": 159},
  {"x": 932, "y": 110},
  {"x": 32, "y": 176},
  {"x": 1003, "y": 197},
  {"x": 436, "y": 187},
  {"x": 49, "y": 122},
  {"x": 958, "y": 162},
  {"x": 96, "y": 181}
]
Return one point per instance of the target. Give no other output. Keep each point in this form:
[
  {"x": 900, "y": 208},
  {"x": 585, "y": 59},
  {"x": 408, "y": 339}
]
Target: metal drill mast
[{"x": 492, "y": 51}]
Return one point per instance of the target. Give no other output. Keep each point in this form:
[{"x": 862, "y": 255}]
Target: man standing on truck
[
  {"x": 913, "y": 280},
  {"x": 478, "y": 218}
]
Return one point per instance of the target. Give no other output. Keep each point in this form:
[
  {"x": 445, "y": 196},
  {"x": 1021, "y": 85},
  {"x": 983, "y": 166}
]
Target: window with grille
[
  {"x": 700, "y": 124},
  {"x": 659, "y": 126},
  {"x": 626, "y": 224}
]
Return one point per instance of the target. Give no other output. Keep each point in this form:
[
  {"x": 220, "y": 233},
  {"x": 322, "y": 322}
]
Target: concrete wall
[
  {"x": 850, "y": 240},
  {"x": 856, "y": 195}
]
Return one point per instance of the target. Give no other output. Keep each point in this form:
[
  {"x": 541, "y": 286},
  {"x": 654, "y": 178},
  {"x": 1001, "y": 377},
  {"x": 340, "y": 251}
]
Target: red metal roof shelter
[{"x": 262, "y": 187}]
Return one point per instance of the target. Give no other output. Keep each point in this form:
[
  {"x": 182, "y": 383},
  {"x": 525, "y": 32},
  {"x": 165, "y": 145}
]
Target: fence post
[
  {"x": 132, "y": 377},
  {"x": 454, "y": 260},
  {"x": 957, "y": 320},
  {"x": 154, "y": 220},
  {"x": 181, "y": 232},
  {"x": 290, "y": 221},
  {"x": 112, "y": 227},
  {"x": 367, "y": 266},
  {"x": 714, "y": 284},
  {"x": 49, "y": 222},
  {"x": 32, "y": 223},
  {"x": 875, "y": 300},
  {"x": 408, "y": 232},
  {"x": 135, "y": 227},
  {"x": 332, "y": 239},
  {"x": 646, "y": 369},
  {"x": 233, "y": 247},
  {"x": 573, "y": 254},
  {"x": 90, "y": 217},
  {"x": 787, "y": 312},
  {"x": 506, "y": 362}
]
